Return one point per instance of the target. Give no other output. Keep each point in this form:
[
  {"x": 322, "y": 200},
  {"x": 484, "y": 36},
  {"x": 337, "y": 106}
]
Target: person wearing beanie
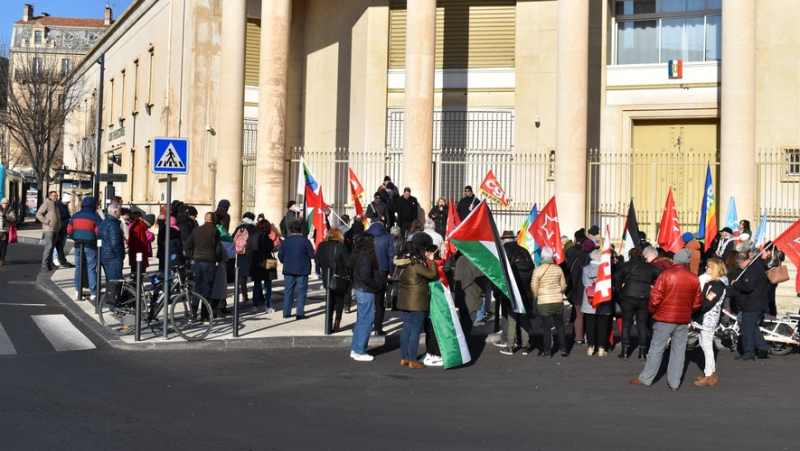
[
  {"x": 691, "y": 243},
  {"x": 222, "y": 211},
  {"x": 674, "y": 298},
  {"x": 293, "y": 213}
]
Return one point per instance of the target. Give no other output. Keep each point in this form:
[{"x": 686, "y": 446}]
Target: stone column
[
  {"x": 230, "y": 129},
  {"x": 572, "y": 81},
  {"x": 738, "y": 108},
  {"x": 418, "y": 120},
  {"x": 276, "y": 17}
]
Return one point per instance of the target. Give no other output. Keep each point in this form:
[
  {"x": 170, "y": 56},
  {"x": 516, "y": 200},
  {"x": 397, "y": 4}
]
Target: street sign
[
  {"x": 170, "y": 156},
  {"x": 112, "y": 178}
]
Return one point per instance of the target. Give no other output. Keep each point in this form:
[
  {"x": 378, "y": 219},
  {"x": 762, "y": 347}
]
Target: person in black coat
[
  {"x": 752, "y": 286},
  {"x": 263, "y": 250},
  {"x": 333, "y": 257},
  {"x": 522, "y": 267},
  {"x": 467, "y": 203},
  {"x": 248, "y": 226},
  {"x": 439, "y": 216},
  {"x": 633, "y": 280},
  {"x": 406, "y": 207}
]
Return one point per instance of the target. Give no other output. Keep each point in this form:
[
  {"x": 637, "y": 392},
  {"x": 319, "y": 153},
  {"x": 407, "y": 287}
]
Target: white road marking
[
  {"x": 61, "y": 333},
  {"x": 23, "y": 305},
  {"x": 6, "y": 347}
]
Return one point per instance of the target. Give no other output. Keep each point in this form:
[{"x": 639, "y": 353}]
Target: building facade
[{"x": 596, "y": 102}]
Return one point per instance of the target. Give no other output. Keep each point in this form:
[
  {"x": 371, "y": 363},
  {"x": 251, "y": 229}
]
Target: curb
[
  {"x": 28, "y": 240},
  {"x": 45, "y": 283}
]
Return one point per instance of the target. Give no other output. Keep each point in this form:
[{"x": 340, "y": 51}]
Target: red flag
[
  {"x": 315, "y": 212},
  {"x": 669, "y": 234},
  {"x": 546, "y": 231},
  {"x": 452, "y": 222},
  {"x": 491, "y": 188},
  {"x": 602, "y": 291},
  {"x": 357, "y": 191},
  {"x": 789, "y": 244}
]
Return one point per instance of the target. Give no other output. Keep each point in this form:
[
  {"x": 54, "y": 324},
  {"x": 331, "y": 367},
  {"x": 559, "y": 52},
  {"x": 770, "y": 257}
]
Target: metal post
[
  {"x": 497, "y": 316},
  {"x": 328, "y": 305},
  {"x": 80, "y": 266},
  {"x": 138, "y": 330},
  {"x": 167, "y": 256},
  {"x": 97, "y": 276},
  {"x": 98, "y": 153},
  {"x": 236, "y": 295}
]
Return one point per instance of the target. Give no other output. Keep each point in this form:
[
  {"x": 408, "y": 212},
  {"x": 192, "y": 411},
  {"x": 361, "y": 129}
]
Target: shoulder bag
[
  {"x": 338, "y": 282},
  {"x": 270, "y": 262},
  {"x": 778, "y": 274}
]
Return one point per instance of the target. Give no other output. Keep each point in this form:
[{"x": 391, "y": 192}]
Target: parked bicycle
[{"x": 190, "y": 313}]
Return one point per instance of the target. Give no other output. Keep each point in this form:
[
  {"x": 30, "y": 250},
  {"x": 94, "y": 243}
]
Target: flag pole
[{"x": 751, "y": 261}]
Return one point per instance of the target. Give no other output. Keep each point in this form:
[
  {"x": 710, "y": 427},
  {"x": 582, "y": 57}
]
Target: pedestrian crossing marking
[
  {"x": 61, "y": 333},
  {"x": 6, "y": 347},
  {"x": 170, "y": 159}
]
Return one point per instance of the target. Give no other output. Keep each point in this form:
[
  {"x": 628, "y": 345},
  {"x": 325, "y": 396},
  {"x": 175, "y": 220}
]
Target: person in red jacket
[
  {"x": 673, "y": 299},
  {"x": 138, "y": 241}
]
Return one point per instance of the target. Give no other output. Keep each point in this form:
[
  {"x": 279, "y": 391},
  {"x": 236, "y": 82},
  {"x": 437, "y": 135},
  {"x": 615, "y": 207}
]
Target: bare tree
[{"x": 40, "y": 97}]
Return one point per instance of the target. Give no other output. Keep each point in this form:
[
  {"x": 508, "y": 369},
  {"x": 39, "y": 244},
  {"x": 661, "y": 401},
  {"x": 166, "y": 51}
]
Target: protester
[
  {"x": 59, "y": 256},
  {"x": 467, "y": 203},
  {"x": 691, "y": 243},
  {"x": 517, "y": 323},
  {"x": 293, "y": 213},
  {"x": 597, "y": 319},
  {"x": 469, "y": 289},
  {"x": 112, "y": 253},
  {"x": 727, "y": 244},
  {"x": 139, "y": 240},
  {"x": 752, "y": 286},
  {"x": 48, "y": 215},
  {"x": 334, "y": 259},
  {"x": 744, "y": 228},
  {"x": 219, "y": 290},
  {"x": 7, "y": 220},
  {"x": 82, "y": 229},
  {"x": 385, "y": 252},
  {"x": 633, "y": 280},
  {"x": 772, "y": 257},
  {"x": 576, "y": 259},
  {"x": 407, "y": 208},
  {"x": 436, "y": 238},
  {"x": 204, "y": 246},
  {"x": 356, "y": 230},
  {"x": 222, "y": 211},
  {"x": 547, "y": 286},
  {"x": 661, "y": 262},
  {"x": 262, "y": 277},
  {"x": 344, "y": 224},
  {"x": 675, "y": 297},
  {"x": 295, "y": 253},
  {"x": 712, "y": 284},
  {"x": 439, "y": 216},
  {"x": 414, "y": 301},
  {"x": 366, "y": 282},
  {"x": 377, "y": 210},
  {"x": 244, "y": 234}
]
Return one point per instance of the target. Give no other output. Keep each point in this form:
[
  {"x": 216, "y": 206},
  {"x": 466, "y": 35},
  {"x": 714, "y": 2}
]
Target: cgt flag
[
  {"x": 547, "y": 232},
  {"x": 357, "y": 192},
  {"x": 669, "y": 234},
  {"x": 789, "y": 244},
  {"x": 452, "y": 222},
  {"x": 602, "y": 290},
  {"x": 491, "y": 188}
]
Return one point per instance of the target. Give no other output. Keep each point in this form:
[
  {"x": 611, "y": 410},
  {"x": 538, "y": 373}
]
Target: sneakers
[
  {"x": 92, "y": 298},
  {"x": 361, "y": 357},
  {"x": 500, "y": 344},
  {"x": 508, "y": 350},
  {"x": 590, "y": 351},
  {"x": 601, "y": 352},
  {"x": 526, "y": 350},
  {"x": 479, "y": 323},
  {"x": 432, "y": 360},
  {"x": 269, "y": 310}
]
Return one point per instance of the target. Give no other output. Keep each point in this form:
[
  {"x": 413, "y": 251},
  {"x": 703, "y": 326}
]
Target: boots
[
  {"x": 625, "y": 353},
  {"x": 642, "y": 354},
  {"x": 707, "y": 381},
  {"x": 337, "y": 326}
]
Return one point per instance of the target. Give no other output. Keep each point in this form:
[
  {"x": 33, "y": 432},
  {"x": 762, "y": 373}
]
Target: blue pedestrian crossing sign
[{"x": 170, "y": 156}]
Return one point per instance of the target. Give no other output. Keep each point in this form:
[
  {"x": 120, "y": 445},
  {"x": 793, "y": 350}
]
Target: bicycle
[{"x": 120, "y": 318}]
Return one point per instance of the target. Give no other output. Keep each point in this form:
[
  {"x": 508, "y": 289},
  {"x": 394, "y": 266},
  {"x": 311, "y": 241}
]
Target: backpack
[{"x": 240, "y": 239}]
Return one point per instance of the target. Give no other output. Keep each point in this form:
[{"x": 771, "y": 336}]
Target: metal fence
[{"x": 778, "y": 189}]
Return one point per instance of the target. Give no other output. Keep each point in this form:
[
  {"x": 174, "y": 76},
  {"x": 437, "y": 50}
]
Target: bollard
[
  {"x": 97, "y": 299},
  {"x": 80, "y": 267},
  {"x": 328, "y": 304},
  {"x": 236, "y": 298},
  {"x": 497, "y": 315},
  {"x": 138, "y": 330}
]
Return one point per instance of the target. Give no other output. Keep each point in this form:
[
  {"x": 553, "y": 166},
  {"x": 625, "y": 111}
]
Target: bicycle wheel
[
  {"x": 120, "y": 319},
  {"x": 191, "y": 316}
]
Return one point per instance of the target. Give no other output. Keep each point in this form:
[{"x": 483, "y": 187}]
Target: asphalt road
[{"x": 320, "y": 399}]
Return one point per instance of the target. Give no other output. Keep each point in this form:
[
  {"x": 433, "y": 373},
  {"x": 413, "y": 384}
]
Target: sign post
[{"x": 170, "y": 156}]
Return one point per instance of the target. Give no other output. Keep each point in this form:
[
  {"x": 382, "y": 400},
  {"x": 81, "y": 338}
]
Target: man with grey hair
[
  {"x": 430, "y": 229},
  {"x": 752, "y": 286},
  {"x": 112, "y": 252}
]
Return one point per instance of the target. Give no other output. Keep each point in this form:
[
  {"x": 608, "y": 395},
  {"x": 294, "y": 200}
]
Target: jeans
[
  {"x": 363, "y": 326},
  {"x": 548, "y": 322},
  {"x": 91, "y": 266},
  {"x": 204, "y": 274},
  {"x": 262, "y": 294},
  {"x": 707, "y": 345},
  {"x": 597, "y": 330},
  {"x": 662, "y": 332},
  {"x": 292, "y": 282},
  {"x": 49, "y": 239},
  {"x": 638, "y": 309},
  {"x": 409, "y": 336},
  {"x": 752, "y": 338},
  {"x": 113, "y": 269}
]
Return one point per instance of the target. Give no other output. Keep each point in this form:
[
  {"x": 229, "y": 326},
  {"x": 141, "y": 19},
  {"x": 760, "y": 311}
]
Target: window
[
  {"x": 122, "y": 96},
  {"x": 111, "y": 103},
  {"x": 37, "y": 65},
  {"x": 656, "y": 31},
  {"x": 135, "y": 86},
  {"x": 65, "y": 66},
  {"x": 37, "y": 37},
  {"x": 792, "y": 158},
  {"x": 150, "y": 78}
]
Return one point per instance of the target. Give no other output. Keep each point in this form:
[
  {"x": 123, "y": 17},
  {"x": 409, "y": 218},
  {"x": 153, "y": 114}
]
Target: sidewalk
[{"x": 256, "y": 330}]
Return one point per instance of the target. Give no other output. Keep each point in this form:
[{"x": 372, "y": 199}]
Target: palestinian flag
[
  {"x": 630, "y": 236},
  {"x": 477, "y": 238},
  {"x": 449, "y": 335},
  {"x": 315, "y": 215}
]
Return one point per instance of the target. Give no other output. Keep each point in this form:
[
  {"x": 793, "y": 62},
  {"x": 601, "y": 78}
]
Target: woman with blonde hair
[
  {"x": 713, "y": 286},
  {"x": 439, "y": 216},
  {"x": 548, "y": 285}
]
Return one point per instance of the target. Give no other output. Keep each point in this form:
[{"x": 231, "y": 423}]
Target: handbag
[
  {"x": 590, "y": 289},
  {"x": 270, "y": 264},
  {"x": 13, "y": 237},
  {"x": 778, "y": 274},
  {"x": 338, "y": 282}
]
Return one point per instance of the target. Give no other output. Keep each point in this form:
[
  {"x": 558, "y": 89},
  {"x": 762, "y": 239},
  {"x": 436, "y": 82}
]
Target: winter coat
[
  {"x": 330, "y": 255},
  {"x": 48, "y": 215},
  {"x": 290, "y": 217},
  {"x": 245, "y": 261},
  {"x": 575, "y": 285},
  {"x": 675, "y": 296},
  {"x": 694, "y": 261},
  {"x": 204, "y": 244},
  {"x": 548, "y": 283},
  {"x": 384, "y": 248},
  {"x": 296, "y": 253},
  {"x": 377, "y": 211},
  {"x": 663, "y": 263},
  {"x": 64, "y": 215},
  {"x": 366, "y": 277},
  {"x": 415, "y": 294},
  {"x": 439, "y": 216},
  {"x": 7, "y": 217},
  {"x": 588, "y": 278},
  {"x": 470, "y": 283},
  {"x": 138, "y": 242},
  {"x": 713, "y": 297},
  {"x": 186, "y": 226},
  {"x": 406, "y": 210},
  {"x": 464, "y": 204},
  {"x": 264, "y": 249},
  {"x": 82, "y": 227},
  {"x": 634, "y": 279},
  {"x": 752, "y": 288},
  {"x": 113, "y": 249}
]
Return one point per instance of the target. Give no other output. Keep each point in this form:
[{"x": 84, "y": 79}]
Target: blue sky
[{"x": 11, "y": 11}]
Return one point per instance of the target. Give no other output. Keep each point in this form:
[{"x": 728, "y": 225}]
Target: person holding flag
[
  {"x": 522, "y": 268},
  {"x": 417, "y": 269},
  {"x": 596, "y": 315}
]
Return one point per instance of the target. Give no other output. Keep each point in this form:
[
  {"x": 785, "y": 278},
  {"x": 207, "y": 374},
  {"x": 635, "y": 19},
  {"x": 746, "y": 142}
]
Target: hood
[
  {"x": 402, "y": 262},
  {"x": 377, "y": 229},
  {"x": 89, "y": 202}
]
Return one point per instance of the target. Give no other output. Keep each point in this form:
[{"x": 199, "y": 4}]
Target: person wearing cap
[
  {"x": 7, "y": 219},
  {"x": 691, "y": 243},
  {"x": 377, "y": 210},
  {"x": 727, "y": 243},
  {"x": 674, "y": 298},
  {"x": 61, "y": 241},
  {"x": 467, "y": 203},
  {"x": 407, "y": 208},
  {"x": 593, "y": 233},
  {"x": 48, "y": 215},
  {"x": 293, "y": 212}
]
